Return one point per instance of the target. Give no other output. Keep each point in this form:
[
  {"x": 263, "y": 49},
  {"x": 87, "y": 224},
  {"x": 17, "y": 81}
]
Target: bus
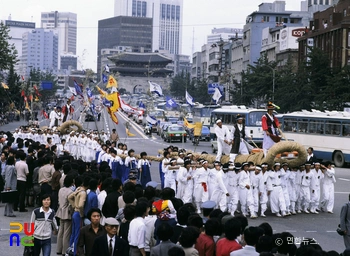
[
  {"x": 227, "y": 114},
  {"x": 201, "y": 113},
  {"x": 328, "y": 133}
]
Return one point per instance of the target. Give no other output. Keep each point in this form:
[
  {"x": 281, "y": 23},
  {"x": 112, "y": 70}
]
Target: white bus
[
  {"x": 227, "y": 114},
  {"x": 201, "y": 113},
  {"x": 328, "y": 133}
]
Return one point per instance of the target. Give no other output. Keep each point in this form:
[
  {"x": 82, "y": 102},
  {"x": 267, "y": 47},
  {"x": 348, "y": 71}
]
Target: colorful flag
[
  {"x": 189, "y": 99},
  {"x": 156, "y": 88},
  {"x": 44, "y": 114},
  {"x": 170, "y": 102},
  {"x": 112, "y": 115},
  {"x": 188, "y": 125},
  {"x": 217, "y": 95},
  {"x": 114, "y": 99},
  {"x": 112, "y": 82},
  {"x": 36, "y": 90},
  {"x": 102, "y": 92},
  {"x": 5, "y": 86},
  {"x": 151, "y": 119},
  {"x": 104, "y": 78},
  {"x": 106, "y": 103},
  {"x": 78, "y": 89},
  {"x": 128, "y": 133},
  {"x": 127, "y": 108},
  {"x": 22, "y": 93}
]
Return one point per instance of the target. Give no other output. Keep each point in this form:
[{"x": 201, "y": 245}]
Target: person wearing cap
[
  {"x": 315, "y": 196},
  {"x": 180, "y": 159},
  {"x": 200, "y": 178},
  {"x": 219, "y": 193},
  {"x": 185, "y": 182},
  {"x": 238, "y": 134},
  {"x": 67, "y": 111},
  {"x": 90, "y": 232},
  {"x": 327, "y": 201},
  {"x": 274, "y": 190},
  {"x": 144, "y": 168},
  {"x": 233, "y": 176},
  {"x": 223, "y": 139},
  {"x": 263, "y": 189},
  {"x": 245, "y": 192},
  {"x": 207, "y": 207},
  {"x": 270, "y": 126},
  {"x": 110, "y": 244}
]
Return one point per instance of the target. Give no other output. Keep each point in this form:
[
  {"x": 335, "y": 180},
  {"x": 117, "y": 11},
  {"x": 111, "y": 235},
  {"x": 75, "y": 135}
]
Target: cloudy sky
[{"x": 199, "y": 15}]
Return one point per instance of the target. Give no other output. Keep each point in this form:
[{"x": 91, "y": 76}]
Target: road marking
[
  {"x": 343, "y": 179},
  {"x": 291, "y": 231},
  {"x": 311, "y": 231},
  {"x": 341, "y": 192},
  {"x": 331, "y": 231}
]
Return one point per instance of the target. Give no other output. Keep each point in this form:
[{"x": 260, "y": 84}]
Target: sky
[{"x": 200, "y": 16}]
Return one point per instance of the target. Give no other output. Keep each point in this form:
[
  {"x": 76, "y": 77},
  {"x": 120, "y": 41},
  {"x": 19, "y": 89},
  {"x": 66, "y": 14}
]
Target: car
[
  {"x": 89, "y": 118},
  {"x": 175, "y": 133},
  {"x": 163, "y": 129}
]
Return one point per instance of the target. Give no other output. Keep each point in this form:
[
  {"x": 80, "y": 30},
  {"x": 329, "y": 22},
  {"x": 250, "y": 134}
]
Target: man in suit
[
  {"x": 310, "y": 155},
  {"x": 251, "y": 238},
  {"x": 110, "y": 244},
  {"x": 345, "y": 223}
]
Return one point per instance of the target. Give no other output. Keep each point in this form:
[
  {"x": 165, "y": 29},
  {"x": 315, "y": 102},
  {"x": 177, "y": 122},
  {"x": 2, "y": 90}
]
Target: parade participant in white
[
  {"x": 185, "y": 182},
  {"x": 284, "y": 173},
  {"x": 223, "y": 139},
  {"x": 171, "y": 174},
  {"x": 327, "y": 202},
  {"x": 292, "y": 188},
  {"x": 232, "y": 188},
  {"x": 305, "y": 191},
  {"x": 219, "y": 194},
  {"x": 315, "y": 196},
  {"x": 200, "y": 177},
  {"x": 245, "y": 192},
  {"x": 274, "y": 190},
  {"x": 298, "y": 179},
  {"x": 257, "y": 187}
]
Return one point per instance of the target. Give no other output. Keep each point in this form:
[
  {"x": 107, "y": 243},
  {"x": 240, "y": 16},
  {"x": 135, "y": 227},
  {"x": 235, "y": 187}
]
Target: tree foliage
[{"x": 8, "y": 53}]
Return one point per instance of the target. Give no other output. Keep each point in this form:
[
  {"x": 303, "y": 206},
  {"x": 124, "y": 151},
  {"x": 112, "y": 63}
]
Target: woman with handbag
[{"x": 10, "y": 184}]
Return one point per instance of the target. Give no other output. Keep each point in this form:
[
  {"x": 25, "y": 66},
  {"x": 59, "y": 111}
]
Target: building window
[
  {"x": 177, "y": 12},
  {"x": 315, "y": 1},
  {"x": 266, "y": 18},
  {"x": 138, "y": 8},
  {"x": 285, "y": 20},
  {"x": 173, "y": 12},
  {"x": 163, "y": 11},
  {"x": 168, "y": 11},
  {"x": 321, "y": 2},
  {"x": 326, "y": 2},
  {"x": 133, "y": 7},
  {"x": 344, "y": 12},
  {"x": 144, "y": 9}
]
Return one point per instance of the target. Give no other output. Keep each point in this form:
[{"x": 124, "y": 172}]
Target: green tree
[
  {"x": 179, "y": 84},
  {"x": 8, "y": 53}
]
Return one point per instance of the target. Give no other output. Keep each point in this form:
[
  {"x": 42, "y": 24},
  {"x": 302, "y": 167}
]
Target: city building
[
  {"x": 40, "y": 50},
  {"x": 65, "y": 23},
  {"x": 108, "y": 52},
  {"x": 167, "y": 20},
  {"x": 122, "y": 31},
  {"x": 17, "y": 29},
  {"x": 181, "y": 63},
  {"x": 274, "y": 16},
  {"x": 136, "y": 69},
  {"x": 196, "y": 72},
  {"x": 224, "y": 34},
  {"x": 329, "y": 31},
  {"x": 68, "y": 61},
  {"x": 237, "y": 59}
]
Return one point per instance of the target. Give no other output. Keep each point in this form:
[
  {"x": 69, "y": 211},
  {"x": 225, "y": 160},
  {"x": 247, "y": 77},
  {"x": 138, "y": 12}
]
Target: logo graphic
[{"x": 16, "y": 228}]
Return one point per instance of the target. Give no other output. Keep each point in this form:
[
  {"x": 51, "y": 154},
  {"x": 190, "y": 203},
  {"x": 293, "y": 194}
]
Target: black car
[{"x": 89, "y": 118}]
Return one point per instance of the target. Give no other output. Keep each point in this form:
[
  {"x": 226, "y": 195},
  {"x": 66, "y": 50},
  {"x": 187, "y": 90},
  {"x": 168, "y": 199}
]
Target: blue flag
[
  {"x": 78, "y": 89},
  {"x": 89, "y": 93},
  {"x": 156, "y": 88},
  {"x": 142, "y": 105},
  {"x": 106, "y": 103},
  {"x": 104, "y": 78},
  {"x": 92, "y": 107},
  {"x": 170, "y": 102},
  {"x": 151, "y": 119}
]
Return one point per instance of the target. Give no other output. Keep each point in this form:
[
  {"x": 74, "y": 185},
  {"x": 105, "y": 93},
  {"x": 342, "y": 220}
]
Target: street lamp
[{"x": 273, "y": 81}]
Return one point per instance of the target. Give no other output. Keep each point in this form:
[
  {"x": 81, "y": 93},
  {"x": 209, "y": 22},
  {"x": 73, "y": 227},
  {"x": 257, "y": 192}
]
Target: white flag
[
  {"x": 217, "y": 95},
  {"x": 189, "y": 99},
  {"x": 106, "y": 69},
  {"x": 153, "y": 87},
  {"x": 73, "y": 90}
]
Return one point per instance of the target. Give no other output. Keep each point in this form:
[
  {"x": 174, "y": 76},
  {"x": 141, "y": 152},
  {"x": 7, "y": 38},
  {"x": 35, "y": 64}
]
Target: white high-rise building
[
  {"x": 224, "y": 34},
  {"x": 167, "y": 20},
  {"x": 39, "y": 50}
]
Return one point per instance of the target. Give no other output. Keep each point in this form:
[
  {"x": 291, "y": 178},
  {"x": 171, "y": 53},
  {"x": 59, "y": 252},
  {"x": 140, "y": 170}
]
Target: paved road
[{"x": 320, "y": 227}]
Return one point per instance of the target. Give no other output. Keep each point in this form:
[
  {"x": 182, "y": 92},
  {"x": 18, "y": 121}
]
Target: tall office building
[
  {"x": 40, "y": 50},
  {"x": 65, "y": 25},
  {"x": 167, "y": 20}
]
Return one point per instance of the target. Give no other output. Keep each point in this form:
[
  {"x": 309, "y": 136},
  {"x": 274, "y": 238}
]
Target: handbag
[
  {"x": 339, "y": 230},
  {"x": 9, "y": 196},
  {"x": 28, "y": 251}
]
